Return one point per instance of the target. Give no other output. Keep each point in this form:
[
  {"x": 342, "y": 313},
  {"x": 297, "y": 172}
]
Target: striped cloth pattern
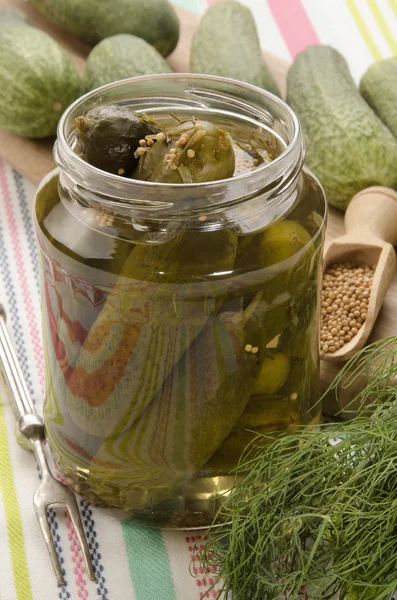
[{"x": 131, "y": 562}]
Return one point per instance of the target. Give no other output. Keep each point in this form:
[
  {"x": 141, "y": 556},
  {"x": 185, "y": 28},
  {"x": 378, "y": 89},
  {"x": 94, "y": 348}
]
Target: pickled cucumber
[
  {"x": 145, "y": 327},
  {"x": 87, "y": 247},
  {"x": 285, "y": 254},
  {"x": 262, "y": 415},
  {"x": 47, "y": 199},
  {"x": 107, "y": 137},
  {"x": 274, "y": 245},
  {"x": 191, "y": 152},
  {"x": 189, "y": 417},
  {"x": 273, "y": 373},
  {"x": 176, "y": 261}
]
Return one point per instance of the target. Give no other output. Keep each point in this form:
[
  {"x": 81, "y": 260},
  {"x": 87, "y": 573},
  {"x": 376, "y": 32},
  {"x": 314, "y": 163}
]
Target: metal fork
[{"x": 51, "y": 492}]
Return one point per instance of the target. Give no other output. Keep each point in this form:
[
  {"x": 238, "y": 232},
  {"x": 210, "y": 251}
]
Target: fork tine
[
  {"x": 41, "y": 514},
  {"x": 78, "y": 526}
]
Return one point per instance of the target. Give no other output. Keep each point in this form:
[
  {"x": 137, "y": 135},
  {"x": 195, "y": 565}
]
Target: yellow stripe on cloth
[
  {"x": 16, "y": 540},
  {"x": 382, "y": 24},
  {"x": 363, "y": 29},
  {"x": 393, "y": 5}
]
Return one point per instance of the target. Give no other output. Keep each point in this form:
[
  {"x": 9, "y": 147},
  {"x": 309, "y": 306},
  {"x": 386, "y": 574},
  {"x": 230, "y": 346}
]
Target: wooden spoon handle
[{"x": 374, "y": 209}]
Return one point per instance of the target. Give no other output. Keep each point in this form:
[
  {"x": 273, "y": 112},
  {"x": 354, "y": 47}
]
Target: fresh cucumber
[
  {"x": 38, "y": 81},
  {"x": 378, "y": 86},
  {"x": 93, "y": 20},
  {"x": 347, "y": 146},
  {"x": 9, "y": 14},
  {"x": 226, "y": 43},
  {"x": 119, "y": 57}
]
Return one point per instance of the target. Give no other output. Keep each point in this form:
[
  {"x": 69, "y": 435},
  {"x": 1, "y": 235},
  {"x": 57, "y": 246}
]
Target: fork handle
[{"x": 22, "y": 403}]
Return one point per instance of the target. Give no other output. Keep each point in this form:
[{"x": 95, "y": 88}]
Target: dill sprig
[{"x": 314, "y": 514}]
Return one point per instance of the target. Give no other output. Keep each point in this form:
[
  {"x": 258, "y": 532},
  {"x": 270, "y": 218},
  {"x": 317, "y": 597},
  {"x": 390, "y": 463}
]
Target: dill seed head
[{"x": 344, "y": 303}]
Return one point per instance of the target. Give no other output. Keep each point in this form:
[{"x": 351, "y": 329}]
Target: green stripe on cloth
[
  {"x": 191, "y": 5},
  {"x": 148, "y": 562},
  {"x": 13, "y": 517}
]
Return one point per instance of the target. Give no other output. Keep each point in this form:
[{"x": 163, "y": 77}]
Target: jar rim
[{"x": 125, "y": 189}]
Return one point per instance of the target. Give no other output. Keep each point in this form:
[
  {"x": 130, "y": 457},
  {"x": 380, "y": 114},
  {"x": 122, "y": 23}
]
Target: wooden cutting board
[{"x": 34, "y": 158}]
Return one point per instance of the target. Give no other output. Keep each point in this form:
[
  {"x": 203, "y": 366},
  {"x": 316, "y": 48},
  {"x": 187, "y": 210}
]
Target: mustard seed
[{"x": 344, "y": 303}]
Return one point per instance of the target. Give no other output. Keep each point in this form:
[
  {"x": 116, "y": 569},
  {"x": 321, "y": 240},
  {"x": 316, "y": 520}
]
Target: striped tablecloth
[{"x": 132, "y": 562}]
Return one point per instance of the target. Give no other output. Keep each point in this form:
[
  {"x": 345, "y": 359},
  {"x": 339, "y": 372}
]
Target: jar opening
[{"x": 184, "y": 93}]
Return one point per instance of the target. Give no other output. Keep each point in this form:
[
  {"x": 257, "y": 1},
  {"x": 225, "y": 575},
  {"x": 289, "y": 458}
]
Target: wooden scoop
[{"x": 371, "y": 233}]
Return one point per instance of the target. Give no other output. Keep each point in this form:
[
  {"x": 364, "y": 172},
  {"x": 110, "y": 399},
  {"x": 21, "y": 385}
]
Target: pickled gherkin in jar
[
  {"x": 175, "y": 261},
  {"x": 177, "y": 323},
  {"x": 145, "y": 327},
  {"x": 193, "y": 151},
  {"x": 179, "y": 429},
  {"x": 273, "y": 373},
  {"x": 107, "y": 137}
]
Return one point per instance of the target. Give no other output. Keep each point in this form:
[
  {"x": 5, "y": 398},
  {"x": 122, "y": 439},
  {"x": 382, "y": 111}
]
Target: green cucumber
[
  {"x": 347, "y": 146},
  {"x": 93, "y": 20},
  {"x": 119, "y": 57},
  {"x": 38, "y": 81},
  {"x": 9, "y": 14},
  {"x": 378, "y": 86},
  {"x": 226, "y": 43}
]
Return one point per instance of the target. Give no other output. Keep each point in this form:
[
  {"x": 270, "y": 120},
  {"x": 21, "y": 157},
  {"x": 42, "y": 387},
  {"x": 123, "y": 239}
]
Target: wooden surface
[{"x": 34, "y": 159}]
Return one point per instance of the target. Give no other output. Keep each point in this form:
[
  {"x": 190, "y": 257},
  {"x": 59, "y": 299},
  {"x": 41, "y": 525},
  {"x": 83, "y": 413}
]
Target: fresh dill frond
[{"x": 314, "y": 513}]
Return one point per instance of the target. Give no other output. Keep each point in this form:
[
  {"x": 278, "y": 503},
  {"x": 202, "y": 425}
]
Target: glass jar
[{"x": 178, "y": 319}]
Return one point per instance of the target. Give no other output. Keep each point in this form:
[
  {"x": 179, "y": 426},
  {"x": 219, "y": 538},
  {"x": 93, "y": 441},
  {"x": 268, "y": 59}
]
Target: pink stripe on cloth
[
  {"x": 205, "y": 576},
  {"x": 22, "y": 277},
  {"x": 294, "y": 24},
  {"x": 77, "y": 559}
]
